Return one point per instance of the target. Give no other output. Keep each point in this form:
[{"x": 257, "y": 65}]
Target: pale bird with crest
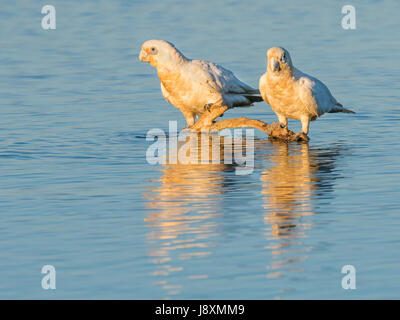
[
  {"x": 293, "y": 94},
  {"x": 193, "y": 86}
]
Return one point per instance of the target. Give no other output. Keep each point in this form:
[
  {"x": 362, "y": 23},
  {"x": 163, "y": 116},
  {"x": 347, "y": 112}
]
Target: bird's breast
[
  {"x": 284, "y": 98},
  {"x": 172, "y": 81}
]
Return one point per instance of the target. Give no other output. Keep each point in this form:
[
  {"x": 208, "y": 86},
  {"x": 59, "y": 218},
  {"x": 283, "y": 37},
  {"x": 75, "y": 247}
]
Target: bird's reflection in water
[
  {"x": 296, "y": 178},
  {"x": 184, "y": 210}
]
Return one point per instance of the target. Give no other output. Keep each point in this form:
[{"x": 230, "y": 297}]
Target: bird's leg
[
  {"x": 282, "y": 121},
  {"x": 305, "y": 123},
  {"x": 303, "y": 134},
  {"x": 189, "y": 116}
]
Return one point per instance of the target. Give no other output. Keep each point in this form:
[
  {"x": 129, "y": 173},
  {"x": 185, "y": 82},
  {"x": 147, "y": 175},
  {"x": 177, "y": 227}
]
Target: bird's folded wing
[
  {"x": 315, "y": 95},
  {"x": 217, "y": 78},
  {"x": 309, "y": 95}
]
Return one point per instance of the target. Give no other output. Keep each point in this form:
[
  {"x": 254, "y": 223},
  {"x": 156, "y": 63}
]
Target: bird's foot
[
  {"x": 208, "y": 106},
  {"x": 284, "y": 127},
  {"x": 301, "y": 136}
]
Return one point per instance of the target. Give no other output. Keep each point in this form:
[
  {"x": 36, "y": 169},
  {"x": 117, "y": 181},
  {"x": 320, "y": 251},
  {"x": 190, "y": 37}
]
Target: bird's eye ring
[
  {"x": 153, "y": 50},
  {"x": 283, "y": 58}
]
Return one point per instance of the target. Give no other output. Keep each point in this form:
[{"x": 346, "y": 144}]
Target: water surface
[{"x": 76, "y": 191}]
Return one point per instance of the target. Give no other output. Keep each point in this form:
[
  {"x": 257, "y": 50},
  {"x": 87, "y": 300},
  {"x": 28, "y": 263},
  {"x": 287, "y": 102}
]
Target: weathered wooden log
[{"x": 207, "y": 123}]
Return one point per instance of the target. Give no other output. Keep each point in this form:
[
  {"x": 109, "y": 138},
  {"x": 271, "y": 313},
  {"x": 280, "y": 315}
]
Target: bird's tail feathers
[
  {"x": 241, "y": 100},
  {"x": 253, "y": 91},
  {"x": 254, "y": 98},
  {"x": 340, "y": 108}
]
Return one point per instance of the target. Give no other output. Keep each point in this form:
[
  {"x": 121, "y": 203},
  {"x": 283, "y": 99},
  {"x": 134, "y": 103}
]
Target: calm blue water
[{"x": 77, "y": 193}]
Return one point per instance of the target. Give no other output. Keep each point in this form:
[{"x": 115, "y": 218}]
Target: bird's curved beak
[
  {"x": 143, "y": 56},
  {"x": 275, "y": 66}
]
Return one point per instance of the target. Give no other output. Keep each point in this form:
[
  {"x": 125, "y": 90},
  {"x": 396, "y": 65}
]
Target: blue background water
[{"x": 76, "y": 191}]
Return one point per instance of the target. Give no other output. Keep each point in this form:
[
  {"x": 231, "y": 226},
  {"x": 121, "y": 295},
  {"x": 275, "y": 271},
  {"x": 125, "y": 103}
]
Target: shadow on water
[{"x": 186, "y": 206}]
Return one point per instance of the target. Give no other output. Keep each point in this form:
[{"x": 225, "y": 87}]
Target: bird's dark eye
[
  {"x": 153, "y": 50},
  {"x": 284, "y": 58}
]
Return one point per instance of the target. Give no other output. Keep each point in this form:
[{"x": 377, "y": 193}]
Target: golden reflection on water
[
  {"x": 186, "y": 205},
  {"x": 294, "y": 178}
]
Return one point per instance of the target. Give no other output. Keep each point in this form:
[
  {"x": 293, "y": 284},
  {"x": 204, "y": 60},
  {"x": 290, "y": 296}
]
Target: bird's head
[
  {"x": 160, "y": 53},
  {"x": 279, "y": 61}
]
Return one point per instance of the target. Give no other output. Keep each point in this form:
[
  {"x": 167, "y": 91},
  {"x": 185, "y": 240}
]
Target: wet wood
[{"x": 274, "y": 131}]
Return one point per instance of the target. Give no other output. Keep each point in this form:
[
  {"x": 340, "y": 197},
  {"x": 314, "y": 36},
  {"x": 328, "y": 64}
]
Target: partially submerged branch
[{"x": 207, "y": 123}]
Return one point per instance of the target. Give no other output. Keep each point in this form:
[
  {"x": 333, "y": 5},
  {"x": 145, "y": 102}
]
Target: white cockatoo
[
  {"x": 193, "y": 86},
  {"x": 293, "y": 94}
]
